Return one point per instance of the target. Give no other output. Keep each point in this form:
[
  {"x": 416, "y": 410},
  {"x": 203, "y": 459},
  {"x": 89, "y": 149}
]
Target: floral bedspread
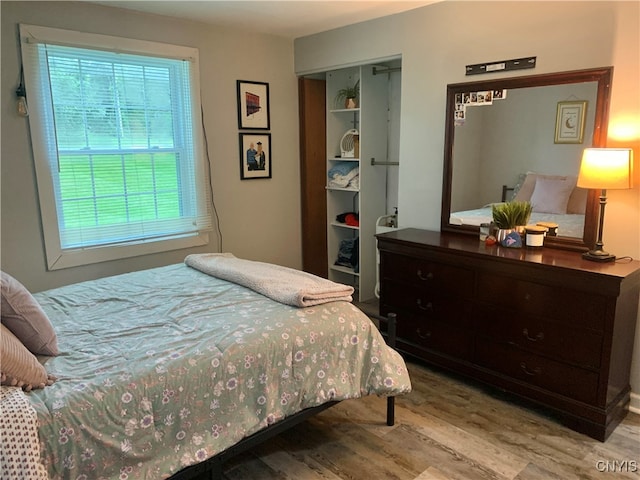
[{"x": 163, "y": 368}]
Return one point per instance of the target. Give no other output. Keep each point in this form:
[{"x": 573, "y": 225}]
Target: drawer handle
[
  {"x": 531, "y": 373},
  {"x": 538, "y": 337},
  {"x": 424, "y": 335},
  {"x": 428, "y": 276},
  {"x": 428, "y": 307}
]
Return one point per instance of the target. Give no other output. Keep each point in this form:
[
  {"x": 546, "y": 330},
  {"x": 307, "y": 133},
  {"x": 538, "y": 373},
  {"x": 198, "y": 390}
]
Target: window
[{"x": 116, "y": 136}]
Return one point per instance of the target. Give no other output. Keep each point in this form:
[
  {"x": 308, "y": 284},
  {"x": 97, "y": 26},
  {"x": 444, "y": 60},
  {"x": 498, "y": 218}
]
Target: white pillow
[{"x": 551, "y": 195}]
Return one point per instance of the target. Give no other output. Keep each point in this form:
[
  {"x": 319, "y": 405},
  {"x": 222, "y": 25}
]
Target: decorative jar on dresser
[{"x": 543, "y": 324}]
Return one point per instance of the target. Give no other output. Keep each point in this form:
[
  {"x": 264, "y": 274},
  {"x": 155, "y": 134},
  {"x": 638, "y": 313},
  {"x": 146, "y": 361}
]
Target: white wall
[
  {"x": 437, "y": 41},
  {"x": 260, "y": 219}
]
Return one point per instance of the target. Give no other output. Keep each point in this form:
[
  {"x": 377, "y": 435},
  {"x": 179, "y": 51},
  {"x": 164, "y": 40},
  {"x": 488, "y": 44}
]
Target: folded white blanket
[{"x": 282, "y": 284}]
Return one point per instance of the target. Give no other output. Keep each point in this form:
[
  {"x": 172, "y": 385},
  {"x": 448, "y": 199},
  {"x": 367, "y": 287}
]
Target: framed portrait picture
[
  {"x": 570, "y": 118},
  {"x": 255, "y": 155},
  {"x": 253, "y": 105}
]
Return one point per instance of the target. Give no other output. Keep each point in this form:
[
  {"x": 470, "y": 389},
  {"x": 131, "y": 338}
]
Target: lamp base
[{"x": 598, "y": 256}]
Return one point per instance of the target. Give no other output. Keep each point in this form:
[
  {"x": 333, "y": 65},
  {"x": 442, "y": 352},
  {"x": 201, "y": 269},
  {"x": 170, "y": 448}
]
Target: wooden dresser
[{"x": 543, "y": 324}]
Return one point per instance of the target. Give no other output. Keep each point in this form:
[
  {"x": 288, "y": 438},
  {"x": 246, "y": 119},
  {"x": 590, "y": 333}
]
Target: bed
[
  {"x": 160, "y": 371},
  {"x": 554, "y": 198}
]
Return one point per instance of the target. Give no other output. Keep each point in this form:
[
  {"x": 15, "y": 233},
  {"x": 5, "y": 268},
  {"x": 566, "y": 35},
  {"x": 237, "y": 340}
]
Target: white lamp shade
[{"x": 606, "y": 168}]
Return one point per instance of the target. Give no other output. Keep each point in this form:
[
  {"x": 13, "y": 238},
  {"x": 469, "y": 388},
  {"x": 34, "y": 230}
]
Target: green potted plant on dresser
[{"x": 509, "y": 217}]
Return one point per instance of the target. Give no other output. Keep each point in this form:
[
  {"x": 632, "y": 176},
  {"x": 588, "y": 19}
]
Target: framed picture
[
  {"x": 255, "y": 155},
  {"x": 570, "y": 119},
  {"x": 253, "y": 105}
]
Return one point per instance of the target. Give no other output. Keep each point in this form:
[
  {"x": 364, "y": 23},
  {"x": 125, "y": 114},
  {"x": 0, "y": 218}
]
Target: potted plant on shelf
[
  {"x": 347, "y": 96},
  {"x": 510, "y": 217}
]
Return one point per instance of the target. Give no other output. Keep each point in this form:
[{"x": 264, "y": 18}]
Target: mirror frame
[{"x": 602, "y": 76}]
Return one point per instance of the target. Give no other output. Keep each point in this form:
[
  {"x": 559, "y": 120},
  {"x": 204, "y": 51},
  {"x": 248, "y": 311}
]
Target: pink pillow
[
  {"x": 20, "y": 368},
  {"x": 578, "y": 201},
  {"x": 23, "y": 316},
  {"x": 529, "y": 184},
  {"x": 551, "y": 195}
]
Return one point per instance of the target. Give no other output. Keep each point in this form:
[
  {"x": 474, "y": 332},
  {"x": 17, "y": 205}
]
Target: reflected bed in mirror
[{"x": 522, "y": 138}]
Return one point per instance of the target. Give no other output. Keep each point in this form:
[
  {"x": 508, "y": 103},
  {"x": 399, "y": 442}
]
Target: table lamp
[{"x": 602, "y": 169}]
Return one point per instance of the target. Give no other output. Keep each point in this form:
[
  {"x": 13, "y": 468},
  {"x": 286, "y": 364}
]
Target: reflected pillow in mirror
[
  {"x": 578, "y": 201},
  {"x": 529, "y": 184},
  {"x": 516, "y": 188},
  {"x": 551, "y": 195}
]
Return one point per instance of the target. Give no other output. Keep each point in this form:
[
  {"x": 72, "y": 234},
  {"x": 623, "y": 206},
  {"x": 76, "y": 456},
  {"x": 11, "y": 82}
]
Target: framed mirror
[{"x": 502, "y": 136}]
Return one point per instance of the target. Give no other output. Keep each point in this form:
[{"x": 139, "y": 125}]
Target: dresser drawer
[
  {"x": 432, "y": 275},
  {"x": 569, "y": 306},
  {"x": 434, "y": 335},
  {"x": 573, "y": 382},
  {"x": 428, "y": 304},
  {"x": 578, "y": 346}
]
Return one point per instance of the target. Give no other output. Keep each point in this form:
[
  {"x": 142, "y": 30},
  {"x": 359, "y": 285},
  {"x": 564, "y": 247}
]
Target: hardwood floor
[{"x": 446, "y": 428}]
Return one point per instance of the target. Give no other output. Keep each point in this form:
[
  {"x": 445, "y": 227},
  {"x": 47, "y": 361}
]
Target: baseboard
[{"x": 634, "y": 404}]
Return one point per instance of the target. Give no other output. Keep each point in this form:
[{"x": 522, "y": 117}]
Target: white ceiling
[{"x": 287, "y": 18}]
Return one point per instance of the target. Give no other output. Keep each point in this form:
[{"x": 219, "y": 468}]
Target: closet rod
[
  {"x": 377, "y": 70},
  {"x": 375, "y": 163}
]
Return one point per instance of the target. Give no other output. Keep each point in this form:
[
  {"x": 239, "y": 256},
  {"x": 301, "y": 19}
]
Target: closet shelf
[
  {"x": 344, "y": 225},
  {"x": 344, "y": 158},
  {"x": 341, "y": 189},
  {"x": 339, "y": 268},
  {"x": 345, "y": 110}
]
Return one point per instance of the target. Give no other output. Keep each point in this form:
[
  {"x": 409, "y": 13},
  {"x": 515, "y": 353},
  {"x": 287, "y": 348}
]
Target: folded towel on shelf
[
  {"x": 342, "y": 168},
  {"x": 342, "y": 173},
  {"x": 343, "y": 181},
  {"x": 282, "y": 284}
]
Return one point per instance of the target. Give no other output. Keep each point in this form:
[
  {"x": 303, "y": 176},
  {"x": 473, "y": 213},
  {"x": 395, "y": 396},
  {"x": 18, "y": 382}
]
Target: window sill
[{"x": 59, "y": 259}]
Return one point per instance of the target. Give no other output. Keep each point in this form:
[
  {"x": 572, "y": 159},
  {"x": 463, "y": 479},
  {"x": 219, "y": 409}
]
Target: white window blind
[{"x": 117, "y": 144}]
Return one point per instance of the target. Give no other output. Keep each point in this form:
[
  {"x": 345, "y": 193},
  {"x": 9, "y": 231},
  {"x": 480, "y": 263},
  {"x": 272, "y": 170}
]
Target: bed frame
[
  {"x": 506, "y": 190},
  {"x": 211, "y": 469}
]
